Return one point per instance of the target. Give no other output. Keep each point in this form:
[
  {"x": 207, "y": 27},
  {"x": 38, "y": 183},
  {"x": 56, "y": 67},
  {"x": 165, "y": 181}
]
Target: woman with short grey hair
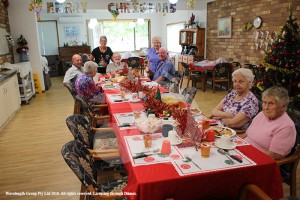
[
  {"x": 272, "y": 131},
  {"x": 86, "y": 86},
  {"x": 152, "y": 57},
  {"x": 240, "y": 106},
  {"x": 247, "y": 73}
]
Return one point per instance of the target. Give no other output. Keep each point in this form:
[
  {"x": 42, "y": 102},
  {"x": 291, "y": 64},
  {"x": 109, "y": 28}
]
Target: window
[
  {"x": 173, "y": 37},
  {"x": 122, "y": 35}
]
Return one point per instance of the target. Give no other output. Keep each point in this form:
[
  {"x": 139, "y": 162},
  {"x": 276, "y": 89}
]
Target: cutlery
[
  {"x": 229, "y": 161},
  {"x": 125, "y": 125},
  {"x": 146, "y": 154},
  {"x": 188, "y": 159},
  {"x": 233, "y": 156}
]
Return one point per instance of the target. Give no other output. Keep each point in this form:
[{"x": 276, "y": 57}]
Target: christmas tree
[{"x": 281, "y": 65}]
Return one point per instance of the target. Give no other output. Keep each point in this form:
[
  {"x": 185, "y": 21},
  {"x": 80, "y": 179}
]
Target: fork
[{"x": 188, "y": 159}]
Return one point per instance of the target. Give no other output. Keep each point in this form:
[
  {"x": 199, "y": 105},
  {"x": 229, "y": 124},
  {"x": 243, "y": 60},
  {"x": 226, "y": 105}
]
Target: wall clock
[{"x": 257, "y": 22}]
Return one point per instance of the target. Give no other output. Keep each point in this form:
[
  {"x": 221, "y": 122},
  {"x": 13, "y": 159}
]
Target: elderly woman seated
[
  {"x": 86, "y": 86},
  {"x": 272, "y": 131},
  {"x": 117, "y": 66},
  {"x": 239, "y": 106}
]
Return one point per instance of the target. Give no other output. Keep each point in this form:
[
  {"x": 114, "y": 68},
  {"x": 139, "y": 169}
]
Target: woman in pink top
[{"x": 272, "y": 131}]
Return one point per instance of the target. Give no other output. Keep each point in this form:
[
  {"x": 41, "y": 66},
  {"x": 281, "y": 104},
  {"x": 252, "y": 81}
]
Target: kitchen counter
[{"x": 6, "y": 74}]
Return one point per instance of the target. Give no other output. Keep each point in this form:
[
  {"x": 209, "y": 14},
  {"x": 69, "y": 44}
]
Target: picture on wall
[
  {"x": 72, "y": 31},
  {"x": 224, "y": 27}
]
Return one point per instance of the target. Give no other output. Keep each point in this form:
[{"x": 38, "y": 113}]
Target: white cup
[
  {"x": 173, "y": 137},
  {"x": 141, "y": 94},
  {"x": 225, "y": 141},
  {"x": 134, "y": 96}
]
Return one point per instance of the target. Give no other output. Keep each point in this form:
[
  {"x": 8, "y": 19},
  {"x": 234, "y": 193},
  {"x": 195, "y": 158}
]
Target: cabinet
[
  {"x": 192, "y": 41},
  {"x": 9, "y": 98},
  {"x": 26, "y": 87},
  {"x": 65, "y": 56}
]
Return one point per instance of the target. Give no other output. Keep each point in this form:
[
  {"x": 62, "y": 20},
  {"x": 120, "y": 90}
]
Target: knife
[
  {"x": 236, "y": 158},
  {"x": 143, "y": 155}
]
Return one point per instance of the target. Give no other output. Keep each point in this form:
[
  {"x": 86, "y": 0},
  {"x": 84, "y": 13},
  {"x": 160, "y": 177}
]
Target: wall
[
  {"x": 4, "y": 23},
  {"x": 240, "y": 47},
  {"x": 22, "y": 21}
]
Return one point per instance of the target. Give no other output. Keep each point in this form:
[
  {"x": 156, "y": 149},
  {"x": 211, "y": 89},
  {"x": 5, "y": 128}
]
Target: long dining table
[{"x": 164, "y": 180}]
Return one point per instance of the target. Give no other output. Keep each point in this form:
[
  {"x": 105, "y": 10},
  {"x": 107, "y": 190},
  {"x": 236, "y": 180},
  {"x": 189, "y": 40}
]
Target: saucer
[
  {"x": 222, "y": 146},
  {"x": 174, "y": 143}
]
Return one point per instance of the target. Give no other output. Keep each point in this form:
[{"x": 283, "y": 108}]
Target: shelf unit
[
  {"x": 194, "y": 37},
  {"x": 26, "y": 87}
]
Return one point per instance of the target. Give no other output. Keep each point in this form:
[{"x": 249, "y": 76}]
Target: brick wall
[
  {"x": 241, "y": 46},
  {"x": 4, "y": 23}
]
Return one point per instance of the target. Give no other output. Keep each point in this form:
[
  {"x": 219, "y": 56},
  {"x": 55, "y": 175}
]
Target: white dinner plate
[
  {"x": 221, "y": 146},
  {"x": 233, "y": 133}
]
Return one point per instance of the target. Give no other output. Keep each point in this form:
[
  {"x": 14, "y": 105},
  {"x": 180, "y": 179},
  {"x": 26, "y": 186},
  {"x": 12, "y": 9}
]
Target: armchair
[
  {"x": 94, "y": 112},
  {"x": 80, "y": 161},
  {"x": 255, "y": 191},
  {"x": 288, "y": 165},
  {"x": 101, "y": 142},
  {"x": 71, "y": 87},
  {"x": 222, "y": 74}
]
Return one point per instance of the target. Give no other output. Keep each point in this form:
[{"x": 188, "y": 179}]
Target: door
[{"x": 48, "y": 37}]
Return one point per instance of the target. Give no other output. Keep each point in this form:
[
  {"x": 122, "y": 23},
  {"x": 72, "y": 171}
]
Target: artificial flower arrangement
[
  {"x": 10, "y": 39},
  {"x": 22, "y": 42}
]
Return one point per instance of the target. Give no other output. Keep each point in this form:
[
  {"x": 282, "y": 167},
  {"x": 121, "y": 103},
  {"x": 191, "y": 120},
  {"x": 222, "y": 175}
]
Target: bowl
[{"x": 149, "y": 125}]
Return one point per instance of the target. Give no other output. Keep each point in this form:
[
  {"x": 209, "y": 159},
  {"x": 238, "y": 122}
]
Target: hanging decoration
[
  {"x": 142, "y": 7},
  {"x": 36, "y": 6},
  {"x": 190, "y": 4},
  {"x": 114, "y": 12}
]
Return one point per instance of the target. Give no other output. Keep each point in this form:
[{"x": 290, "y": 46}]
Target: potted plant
[{"x": 22, "y": 49}]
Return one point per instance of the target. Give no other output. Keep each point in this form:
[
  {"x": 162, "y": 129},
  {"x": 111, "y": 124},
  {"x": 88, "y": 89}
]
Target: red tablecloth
[{"x": 160, "y": 181}]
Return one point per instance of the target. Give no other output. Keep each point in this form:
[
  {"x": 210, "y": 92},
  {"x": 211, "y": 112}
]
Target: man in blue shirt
[{"x": 165, "y": 70}]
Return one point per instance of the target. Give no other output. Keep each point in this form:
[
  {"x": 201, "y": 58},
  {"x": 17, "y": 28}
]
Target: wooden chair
[
  {"x": 82, "y": 130},
  {"x": 195, "y": 76},
  {"x": 222, "y": 74},
  {"x": 71, "y": 87},
  {"x": 136, "y": 63},
  {"x": 94, "y": 112},
  {"x": 81, "y": 162},
  {"x": 254, "y": 190},
  {"x": 179, "y": 74},
  {"x": 288, "y": 165}
]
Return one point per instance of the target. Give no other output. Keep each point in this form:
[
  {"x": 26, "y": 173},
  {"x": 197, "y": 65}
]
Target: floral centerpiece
[
  {"x": 22, "y": 42},
  {"x": 22, "y": 49}
]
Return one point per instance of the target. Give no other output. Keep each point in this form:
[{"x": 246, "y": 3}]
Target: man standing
[
  {"x": 165, "y": 70},
  {"x": 75, "y": 70}
]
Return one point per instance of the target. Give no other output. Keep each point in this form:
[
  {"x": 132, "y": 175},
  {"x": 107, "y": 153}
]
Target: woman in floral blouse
[
  {"x": 86, "y": 86},
  {"x": 238, "y": 107}
]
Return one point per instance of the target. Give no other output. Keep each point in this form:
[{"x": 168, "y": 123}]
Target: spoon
[{"x": 229, "y": 161}]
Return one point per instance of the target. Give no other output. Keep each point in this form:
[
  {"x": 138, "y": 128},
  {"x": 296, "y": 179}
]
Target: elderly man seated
[
  {"x": 165, "y": 70},
  {"x": 117, "y": 65},
  {"x": 75, "y": 70}
]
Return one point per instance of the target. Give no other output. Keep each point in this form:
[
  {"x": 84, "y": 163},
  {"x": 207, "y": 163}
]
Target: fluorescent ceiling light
[
  {"x": 60, "y": 1},
  {"x": 173, "y": 1},
  {"x": 93, "y": 23},
  {"x": 140, "y": 21}
]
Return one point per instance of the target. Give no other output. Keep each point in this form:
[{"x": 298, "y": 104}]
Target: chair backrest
[
  {"x": 189, "y": 94},
  {"x": 186, "y": 68},
  {"x": 71, "y": 88},
  {"x": 222, "y": 71},
  {"x": 81, "y": 128},
  {"x": 134, "y": 62},
  {"x": 174, "y": 85},
  {"x": 80, "y": 160},
  {"x": 86, "y": 106}
]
